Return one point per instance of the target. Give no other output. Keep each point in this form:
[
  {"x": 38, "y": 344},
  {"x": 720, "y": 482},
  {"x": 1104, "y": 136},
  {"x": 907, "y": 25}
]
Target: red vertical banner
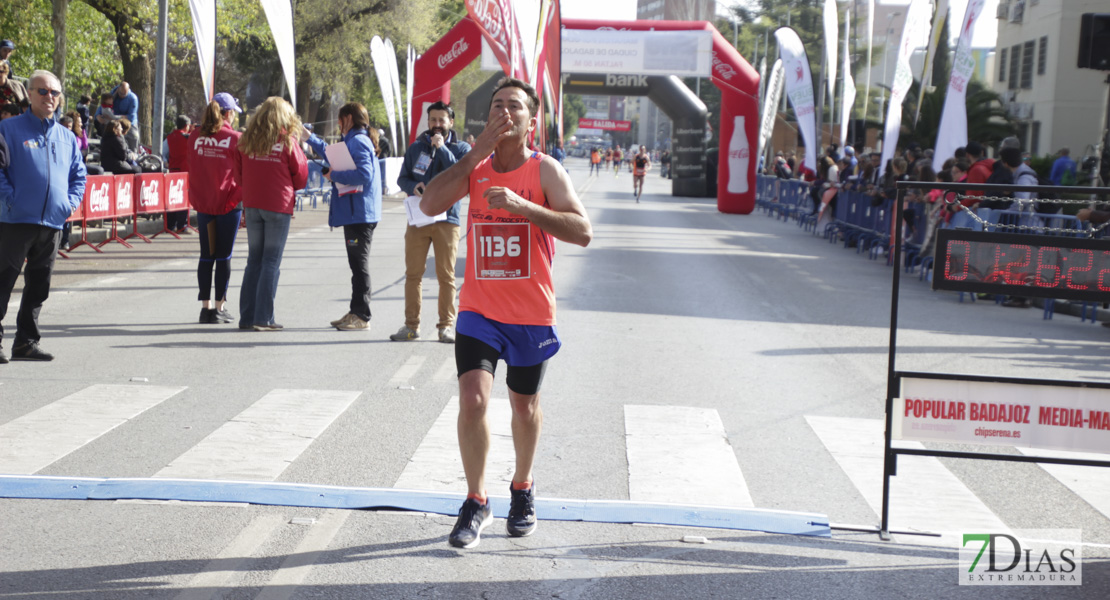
[
  {"x": 498, "y": 23},
  {"x": 175, "y": 196}
]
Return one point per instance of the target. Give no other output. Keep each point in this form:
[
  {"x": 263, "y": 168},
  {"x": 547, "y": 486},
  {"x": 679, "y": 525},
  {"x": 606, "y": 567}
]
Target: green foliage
[
  {"x": 573, "y": 109},
  {"x": 987, "y": 120}
]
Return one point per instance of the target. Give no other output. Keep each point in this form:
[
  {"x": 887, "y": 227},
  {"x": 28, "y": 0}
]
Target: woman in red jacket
[
  {"x": 274, "y": 168},
  {"x": 214, "y": 170}
]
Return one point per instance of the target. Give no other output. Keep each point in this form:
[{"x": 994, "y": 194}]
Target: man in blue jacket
[
  {"x": 40, "y": 188},
  {"x": 126, "y": 104},
  {"x": 357, "y": 208},
  {"x": 432, "y": 153}
]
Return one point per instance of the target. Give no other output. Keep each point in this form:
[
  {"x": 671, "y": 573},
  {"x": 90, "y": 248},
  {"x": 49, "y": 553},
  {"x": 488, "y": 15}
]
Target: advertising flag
[
  {"x": 830, "y": 47},
  {"x": 410, "y": 59},
  {"x": 849, "y": 92},
  {"x": 204, "y": 36},
  {"x": 799, "y": 88},
  {"x": 498, "y": 23},
  {"x": 934, "y": 42},
  {"x": 395, "y": 83},
  {"x": 953, "y": 119},
  {"x": 870, "y": 38},
  {"x": 917, "y": 24},
  {"x": 379, "y": 54},
  {"x": 770, "y": 104},
  {"x": 279, "y": 13}
]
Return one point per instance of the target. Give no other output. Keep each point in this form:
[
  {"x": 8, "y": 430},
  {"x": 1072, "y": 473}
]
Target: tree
[
  {"x": 987, "y": 120},
  {"x": 573, "y": 109}
]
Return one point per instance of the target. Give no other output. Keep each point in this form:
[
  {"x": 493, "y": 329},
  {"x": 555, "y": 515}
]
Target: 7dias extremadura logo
[{"x": 1023, "y": 557}]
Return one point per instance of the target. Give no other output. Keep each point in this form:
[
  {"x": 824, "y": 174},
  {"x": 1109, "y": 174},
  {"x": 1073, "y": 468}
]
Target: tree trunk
[{"x": 58, "y": 21}]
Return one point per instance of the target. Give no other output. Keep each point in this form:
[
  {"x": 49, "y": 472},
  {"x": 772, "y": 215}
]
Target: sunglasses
[{"x": 45, "y": 91}]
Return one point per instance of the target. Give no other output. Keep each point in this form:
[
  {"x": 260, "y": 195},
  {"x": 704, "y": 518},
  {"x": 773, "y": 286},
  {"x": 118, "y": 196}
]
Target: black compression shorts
[{"x": 472, "y": 353}]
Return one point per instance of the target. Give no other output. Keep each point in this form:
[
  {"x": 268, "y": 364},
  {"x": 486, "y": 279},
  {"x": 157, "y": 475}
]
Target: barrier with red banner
[
  {"x": 149, "y": 198},
  {"x": 176, "y": 198},
  {"x": 95, "y": 205},
  {"x": 123, "y": 205}
]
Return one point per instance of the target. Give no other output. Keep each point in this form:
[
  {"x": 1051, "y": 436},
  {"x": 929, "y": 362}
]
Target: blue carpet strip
[{"x": 322, "y": 496}]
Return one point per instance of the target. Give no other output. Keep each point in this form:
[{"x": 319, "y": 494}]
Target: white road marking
[
  {"x": 924, "y": 496},
  {"x": 226, "y": 569},
  {"x": 1092, "y": 484},
  {"x": 406, "y": 371},
  {"x": 681, "y": 454},
  {"x": 447, "y": 371},
  {"x": 260, "y": 442},
  {"x": 296, "y": 568},
  {"x": 437, "y": 466},
  {"x": 37, "y": 439}
]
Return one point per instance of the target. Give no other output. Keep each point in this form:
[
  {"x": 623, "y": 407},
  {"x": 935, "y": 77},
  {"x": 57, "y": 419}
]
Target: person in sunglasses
[{"x": 42, "y": 183}]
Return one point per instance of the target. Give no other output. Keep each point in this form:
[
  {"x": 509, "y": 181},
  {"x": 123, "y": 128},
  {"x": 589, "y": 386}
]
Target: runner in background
[
  {"x": 618, "y": 157},
  {"x": 641, "y": 164},
  {"x": 595, "y": 161}
]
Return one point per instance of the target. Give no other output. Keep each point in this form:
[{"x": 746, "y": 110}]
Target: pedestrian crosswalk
[{"x": 674, "y": 454}]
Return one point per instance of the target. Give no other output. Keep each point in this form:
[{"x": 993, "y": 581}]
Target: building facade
[{"x": 1056, "y": 103}]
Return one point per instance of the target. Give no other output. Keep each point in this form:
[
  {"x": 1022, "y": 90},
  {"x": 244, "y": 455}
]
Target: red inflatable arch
[{"x": 737, "y": 80}]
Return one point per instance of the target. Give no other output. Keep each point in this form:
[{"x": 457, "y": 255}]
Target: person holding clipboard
[{"x": 356, "y": 203}]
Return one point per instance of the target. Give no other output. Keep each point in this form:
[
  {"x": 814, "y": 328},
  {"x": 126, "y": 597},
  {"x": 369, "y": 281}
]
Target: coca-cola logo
[
  {"x": 724, "y": 70},
  {"x": 456, "y": 51},
  {"x": 148, "y": 194},
  {"x": 488, "y": 15},
  {"x": 98, "y": 198},
  {"x": 123, "y": 196},
  {"x": 739, "y": 153},
  {"x": 175, "y": 194}
]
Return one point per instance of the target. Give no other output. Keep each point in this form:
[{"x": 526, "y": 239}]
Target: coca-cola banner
[
  {"x": 433, "y": 70},
  {"x": 124, "y": 186},
  {"x": 799, "y": 88},
  {"x": 177, "y": 191},
  {"x": 606, "y": 124},
  {"x": 682, "y": 53},
  {"x": 98, "y": 197},
  {"x": 953, "y": 120},
  {"x": 497, "y": 21},
  {"x": 150, "y": 193}
]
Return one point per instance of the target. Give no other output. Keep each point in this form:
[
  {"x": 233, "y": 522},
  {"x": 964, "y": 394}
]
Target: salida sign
[{"x": 606, "y": 124}]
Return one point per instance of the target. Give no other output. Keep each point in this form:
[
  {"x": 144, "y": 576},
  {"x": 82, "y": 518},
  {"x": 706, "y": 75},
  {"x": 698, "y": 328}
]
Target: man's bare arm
[{"x": 566, "y": 218}]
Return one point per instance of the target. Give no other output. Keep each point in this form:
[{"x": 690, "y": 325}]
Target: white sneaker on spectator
[{"x": 447, "y": 335}]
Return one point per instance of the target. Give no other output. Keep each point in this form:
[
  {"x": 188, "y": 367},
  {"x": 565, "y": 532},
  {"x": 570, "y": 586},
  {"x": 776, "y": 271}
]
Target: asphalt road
[{"x": 775, "y": 336}]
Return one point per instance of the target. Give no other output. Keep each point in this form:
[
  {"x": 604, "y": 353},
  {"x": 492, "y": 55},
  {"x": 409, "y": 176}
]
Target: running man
[
  {"x": 618, "y": 158},
  {"x": 641, "y": 164},
  {"x": 608, "y": 158},
  {"x": 595, "y": 162},
  {"x": 520, "y": 202}
]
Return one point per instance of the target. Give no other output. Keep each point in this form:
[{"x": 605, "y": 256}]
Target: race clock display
[{"x": 1022, "y": 265}]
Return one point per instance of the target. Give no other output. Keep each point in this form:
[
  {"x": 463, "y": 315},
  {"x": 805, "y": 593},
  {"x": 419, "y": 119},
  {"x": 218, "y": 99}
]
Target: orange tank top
[{"x": 508, "y": 259}]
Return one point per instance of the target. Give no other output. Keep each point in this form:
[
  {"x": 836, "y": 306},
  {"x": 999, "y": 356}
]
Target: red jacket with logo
[
  {"x": 214, "y": 171},
  {"x": 178, "y": 141},
  {"x": 271, "y": 182}
]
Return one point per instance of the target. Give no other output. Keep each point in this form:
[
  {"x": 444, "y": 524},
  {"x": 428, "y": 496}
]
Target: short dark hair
[
  {"x": 974, "y": 149},
  {"x": 182, "y": 121},
  {"x": 84, "y": 99},
  {"x": 1010, "y": 156},
  {"x": 961, "y": 152},
  {"x": 11, "y": 108},
  {"x": 444, "y": 106},
  {"x": 533, "y": 97}
]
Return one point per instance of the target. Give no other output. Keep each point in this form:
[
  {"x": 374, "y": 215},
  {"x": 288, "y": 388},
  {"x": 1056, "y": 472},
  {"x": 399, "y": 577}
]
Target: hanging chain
[{"x": 955, "y": 198}]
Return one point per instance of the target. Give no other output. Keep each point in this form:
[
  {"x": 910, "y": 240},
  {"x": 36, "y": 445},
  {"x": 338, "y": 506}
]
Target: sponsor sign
[
  {"x": 606, "y": 124},
  {"x": 150, "y": 193},
  {"x": 1024, "y": 557},
  {"x": 177, "y": 191},
  {"x": 1003, "y": 414},
  {"x": 125, "y": 199},
  {"x": 682, "y": 53},
  {"x": 98, "y": 196}
]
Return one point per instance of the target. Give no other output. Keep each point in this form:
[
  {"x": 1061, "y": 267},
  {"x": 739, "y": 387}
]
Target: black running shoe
[
  {"x": 473, "y": 518},
  {"x": 31, "y": 351},
  {"x": 208, "y": 315},
  {"x": 522, "y": 512}
]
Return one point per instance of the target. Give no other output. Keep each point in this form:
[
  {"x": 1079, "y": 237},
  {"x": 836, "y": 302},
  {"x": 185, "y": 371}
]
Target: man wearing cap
[
  {"x": 126, "y": 104},
  {"x": 6, "y": 49},
  {"x": 41, "y": 185}
]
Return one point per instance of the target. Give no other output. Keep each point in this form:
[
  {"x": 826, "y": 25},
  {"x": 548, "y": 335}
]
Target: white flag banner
[
  {"x": 770, "y": 104},
  {"x": 870, "y": 38},
  {"x": 410, "y": 59},
  {"x": 799, "y": 88},
  {"x": 849, "y": 89},
  {"x": 395, "y": 82},
  {"x": 380, "y": 56},
  {"x": 830, "y": 48},
  {"x": 279, "y": 13},
  {"x": 934, "y": 42},
  {"x": 204, "y": 38},
  {"x": 953, "y": 119},
  {"x": 917, "y": 27}
]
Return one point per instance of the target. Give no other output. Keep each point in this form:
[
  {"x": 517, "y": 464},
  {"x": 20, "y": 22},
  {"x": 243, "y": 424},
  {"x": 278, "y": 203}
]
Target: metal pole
[
  {"x": 159, "y": 117},
  {"x": 820, "y": 102}
]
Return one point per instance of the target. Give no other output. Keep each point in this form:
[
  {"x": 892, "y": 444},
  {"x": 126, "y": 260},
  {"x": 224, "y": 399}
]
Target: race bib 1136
[{"x": 501, "y": 250}]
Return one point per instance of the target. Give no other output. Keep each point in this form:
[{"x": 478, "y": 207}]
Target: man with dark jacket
[
  {"x": 42, "y": 184},
  {"x": 431, "y": 154}
]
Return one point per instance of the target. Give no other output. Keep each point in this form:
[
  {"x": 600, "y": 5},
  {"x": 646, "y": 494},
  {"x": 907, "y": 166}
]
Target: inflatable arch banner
[{"x": 737, "y": 80}]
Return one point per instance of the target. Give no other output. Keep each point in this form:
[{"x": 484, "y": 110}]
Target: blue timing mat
[{"x": 322, "y": 496}]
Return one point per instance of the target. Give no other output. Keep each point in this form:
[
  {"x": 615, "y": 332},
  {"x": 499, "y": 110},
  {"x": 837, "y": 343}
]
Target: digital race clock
[{"x": 1022, "y": 265}]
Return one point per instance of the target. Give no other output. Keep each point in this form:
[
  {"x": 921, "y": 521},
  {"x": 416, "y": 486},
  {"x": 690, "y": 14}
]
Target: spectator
[
  {"x": 1022, "y": 174},
  {"x": 436, "y": 150},
  {"x": 385, "y": 149},
  {"x": 9, "y": 110},
  {"x": 126, "y": 104},
  {"x": 782, "y": 169},
  {"x": 11, "y": 91},
  {"x": 1063, "y": 169},
  {"x": 82, "y": 109},
  {"x": 6, "y": 49},
  {"x": 41, "y": 184},
  {"x": 665, "y": 161},
  {"x": 177, "y": 160},
  {"x": 980, "y": 172},
  {"x": 853, "y": 162},
  {"x": 77, "y": 126},
  {"x": 103, "y": 114},
  {"x": 558, "y": 153},
  {"x": 357, "y": 209},
  {"x": 215, "y": 166},
  {"x": 274, "y": 168},
  {"x": 115, "y": 158}
]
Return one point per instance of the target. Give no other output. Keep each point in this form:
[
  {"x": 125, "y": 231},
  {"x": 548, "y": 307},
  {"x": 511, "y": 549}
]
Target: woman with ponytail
[
  {"x": 274, "y": 168},
  {"x": 214, "y": 165}
]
